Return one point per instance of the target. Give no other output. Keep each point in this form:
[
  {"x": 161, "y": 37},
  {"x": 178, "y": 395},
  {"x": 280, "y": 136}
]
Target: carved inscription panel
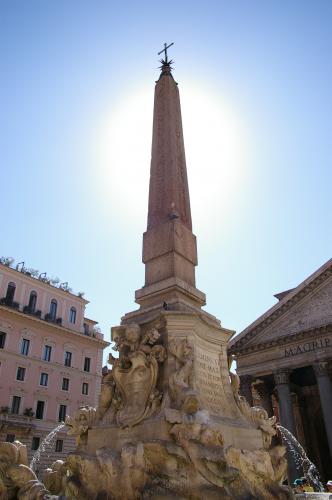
[{"x": 212, "y": 382}]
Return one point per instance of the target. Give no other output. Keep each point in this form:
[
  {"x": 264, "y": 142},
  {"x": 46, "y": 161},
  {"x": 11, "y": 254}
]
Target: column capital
[
  {"x": 282, "y": 376},
  {"x": 321, "y": 368}
]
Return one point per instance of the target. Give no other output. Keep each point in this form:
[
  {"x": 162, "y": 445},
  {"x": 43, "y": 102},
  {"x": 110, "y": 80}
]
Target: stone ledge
[
  {"x": 314, "y": 496},
  {"x": 166, "y": 285}
]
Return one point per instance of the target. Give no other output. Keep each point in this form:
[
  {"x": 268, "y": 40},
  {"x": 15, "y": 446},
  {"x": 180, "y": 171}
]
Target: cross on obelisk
[{"x": 165, "y": 50}]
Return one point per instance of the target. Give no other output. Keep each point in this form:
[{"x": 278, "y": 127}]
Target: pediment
[
  {"x": 311, "y": 312},
  {"x": 304, "y": 308}
]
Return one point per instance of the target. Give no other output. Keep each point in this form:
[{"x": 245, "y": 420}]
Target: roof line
[{"x": 275, "y": 311}]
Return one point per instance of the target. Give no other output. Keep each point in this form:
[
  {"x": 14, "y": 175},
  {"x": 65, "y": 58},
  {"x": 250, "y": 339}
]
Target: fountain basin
[
  {"x": 235, "y": 434},
  {"x": 314, "y": 496}
]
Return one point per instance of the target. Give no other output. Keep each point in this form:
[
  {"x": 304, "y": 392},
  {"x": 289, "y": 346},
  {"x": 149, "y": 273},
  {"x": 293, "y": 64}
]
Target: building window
[
  {"x": 16, "y": 402},
  {"x": 65, "y": 384},
  {"x": 87, "y": 364},
  {"x": 10, "y": 438},
  {"x": 68, "y": 356},
  {"x": 32, "y": 302},
  {"x": 47, "y": 353},
  {"x": 25, "y": 345},
  {"x": 2, "y": 339},
  {"x": 10, "y": 292},
  {"x": 53, "y": 308},
  {"x": 20, "y": 374},
  {"x": 72, "y": 315},
  {"x": 43, "y": 379},
  {"x": 62, "y": 413},
  {"x": 40, "y": 409},
  {"x": 35, "y": 443},
  {"x": 85, "y": 388},
  {"x": 86, "y": 328},
  {"x": 59, "y": 445}
]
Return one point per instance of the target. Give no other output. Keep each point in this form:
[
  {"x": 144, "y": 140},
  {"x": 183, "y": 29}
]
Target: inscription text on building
[{"x": 313, "y": 345}]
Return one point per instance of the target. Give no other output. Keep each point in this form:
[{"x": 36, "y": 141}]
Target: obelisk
[{"x": 169, "y": 245}]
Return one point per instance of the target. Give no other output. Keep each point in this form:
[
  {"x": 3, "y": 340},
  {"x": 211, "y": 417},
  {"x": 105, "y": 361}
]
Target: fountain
[
  {"x": 170, "y": 422},
  {"x": 44, "y": 445},
  {"x": 301, "y": 459}
]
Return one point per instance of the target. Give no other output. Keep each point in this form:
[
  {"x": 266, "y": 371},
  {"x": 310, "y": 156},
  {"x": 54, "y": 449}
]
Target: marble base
[{"x": 314, "y": 496}]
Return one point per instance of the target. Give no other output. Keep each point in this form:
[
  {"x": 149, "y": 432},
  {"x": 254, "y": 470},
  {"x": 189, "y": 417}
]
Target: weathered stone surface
[{"x": 201, "y": 439}]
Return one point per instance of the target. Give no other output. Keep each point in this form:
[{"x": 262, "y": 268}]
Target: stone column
[
  {"x": 325, "y": 393},
  {"x": 287, "y": 417},
  {"x": 245, "y": 388},
  {"x": 264, "y": 391}
]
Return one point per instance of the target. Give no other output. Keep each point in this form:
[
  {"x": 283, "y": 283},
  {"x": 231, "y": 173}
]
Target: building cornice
[
  {"x": 49, "y": 367},
  {"x": 35, "y": 281},
  {"x": 286, "y": 339},
  {"x": 54, "y": 327},
  {"x": 292, "y": 298}
]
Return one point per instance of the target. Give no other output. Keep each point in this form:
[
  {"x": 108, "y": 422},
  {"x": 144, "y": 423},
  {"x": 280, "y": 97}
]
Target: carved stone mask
[{"x": 136, "y": 384}]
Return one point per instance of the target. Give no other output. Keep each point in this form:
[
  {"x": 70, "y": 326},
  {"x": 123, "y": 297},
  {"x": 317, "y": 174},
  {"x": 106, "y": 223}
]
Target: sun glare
[{"x": 216, "y": 145}]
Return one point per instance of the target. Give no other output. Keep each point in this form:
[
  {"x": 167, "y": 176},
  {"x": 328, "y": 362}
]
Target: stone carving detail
[
  {"x": 54, "y": 476},
  {"x": 204, "y": 448},
  {"x": 281, "y": 377},
  {"x": 108, "y": 402},
  {"x": 181, "y": 381},
  {"x": 195, "y": 465},
  {"x": 134, "y": 375},
  {"x": 254, "y": 414},
  {"x": 17, "y": 480},
  {"x": 80, "y": 423},
  {"x": 263, "y": 471},
  {"x": 321, "y": 368}
]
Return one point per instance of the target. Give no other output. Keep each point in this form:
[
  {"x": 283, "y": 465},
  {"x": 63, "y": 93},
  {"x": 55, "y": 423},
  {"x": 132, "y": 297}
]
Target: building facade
[
  {"x": 284, "y": 363},
  {"x": 50, "y": 360}
]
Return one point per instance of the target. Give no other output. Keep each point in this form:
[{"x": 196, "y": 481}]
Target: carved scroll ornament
[
  {"x": 135, "y": 372},
  {"x": 254, "y": 414}
]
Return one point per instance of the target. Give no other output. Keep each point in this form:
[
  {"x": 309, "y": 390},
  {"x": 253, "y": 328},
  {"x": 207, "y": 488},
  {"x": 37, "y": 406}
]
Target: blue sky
[{"x": 255, "y": 80}]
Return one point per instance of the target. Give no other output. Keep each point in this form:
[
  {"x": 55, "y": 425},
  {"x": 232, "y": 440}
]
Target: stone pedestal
[{"x": 171, "y": 423}]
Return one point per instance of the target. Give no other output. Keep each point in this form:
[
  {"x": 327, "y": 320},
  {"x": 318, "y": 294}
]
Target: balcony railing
[
  {"x": 51, "y": 319},
  {"x": 33, "y": 312},
  {"x": 90, "y": 332},
  {"x": 9, "y": 303}
]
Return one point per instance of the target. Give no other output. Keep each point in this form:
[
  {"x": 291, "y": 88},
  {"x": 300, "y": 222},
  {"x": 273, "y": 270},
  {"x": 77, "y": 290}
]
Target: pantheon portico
[{"x": 284, "y": 362}]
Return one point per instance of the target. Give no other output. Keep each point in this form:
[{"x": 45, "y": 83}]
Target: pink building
[{"x": 50, "y": 360}]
